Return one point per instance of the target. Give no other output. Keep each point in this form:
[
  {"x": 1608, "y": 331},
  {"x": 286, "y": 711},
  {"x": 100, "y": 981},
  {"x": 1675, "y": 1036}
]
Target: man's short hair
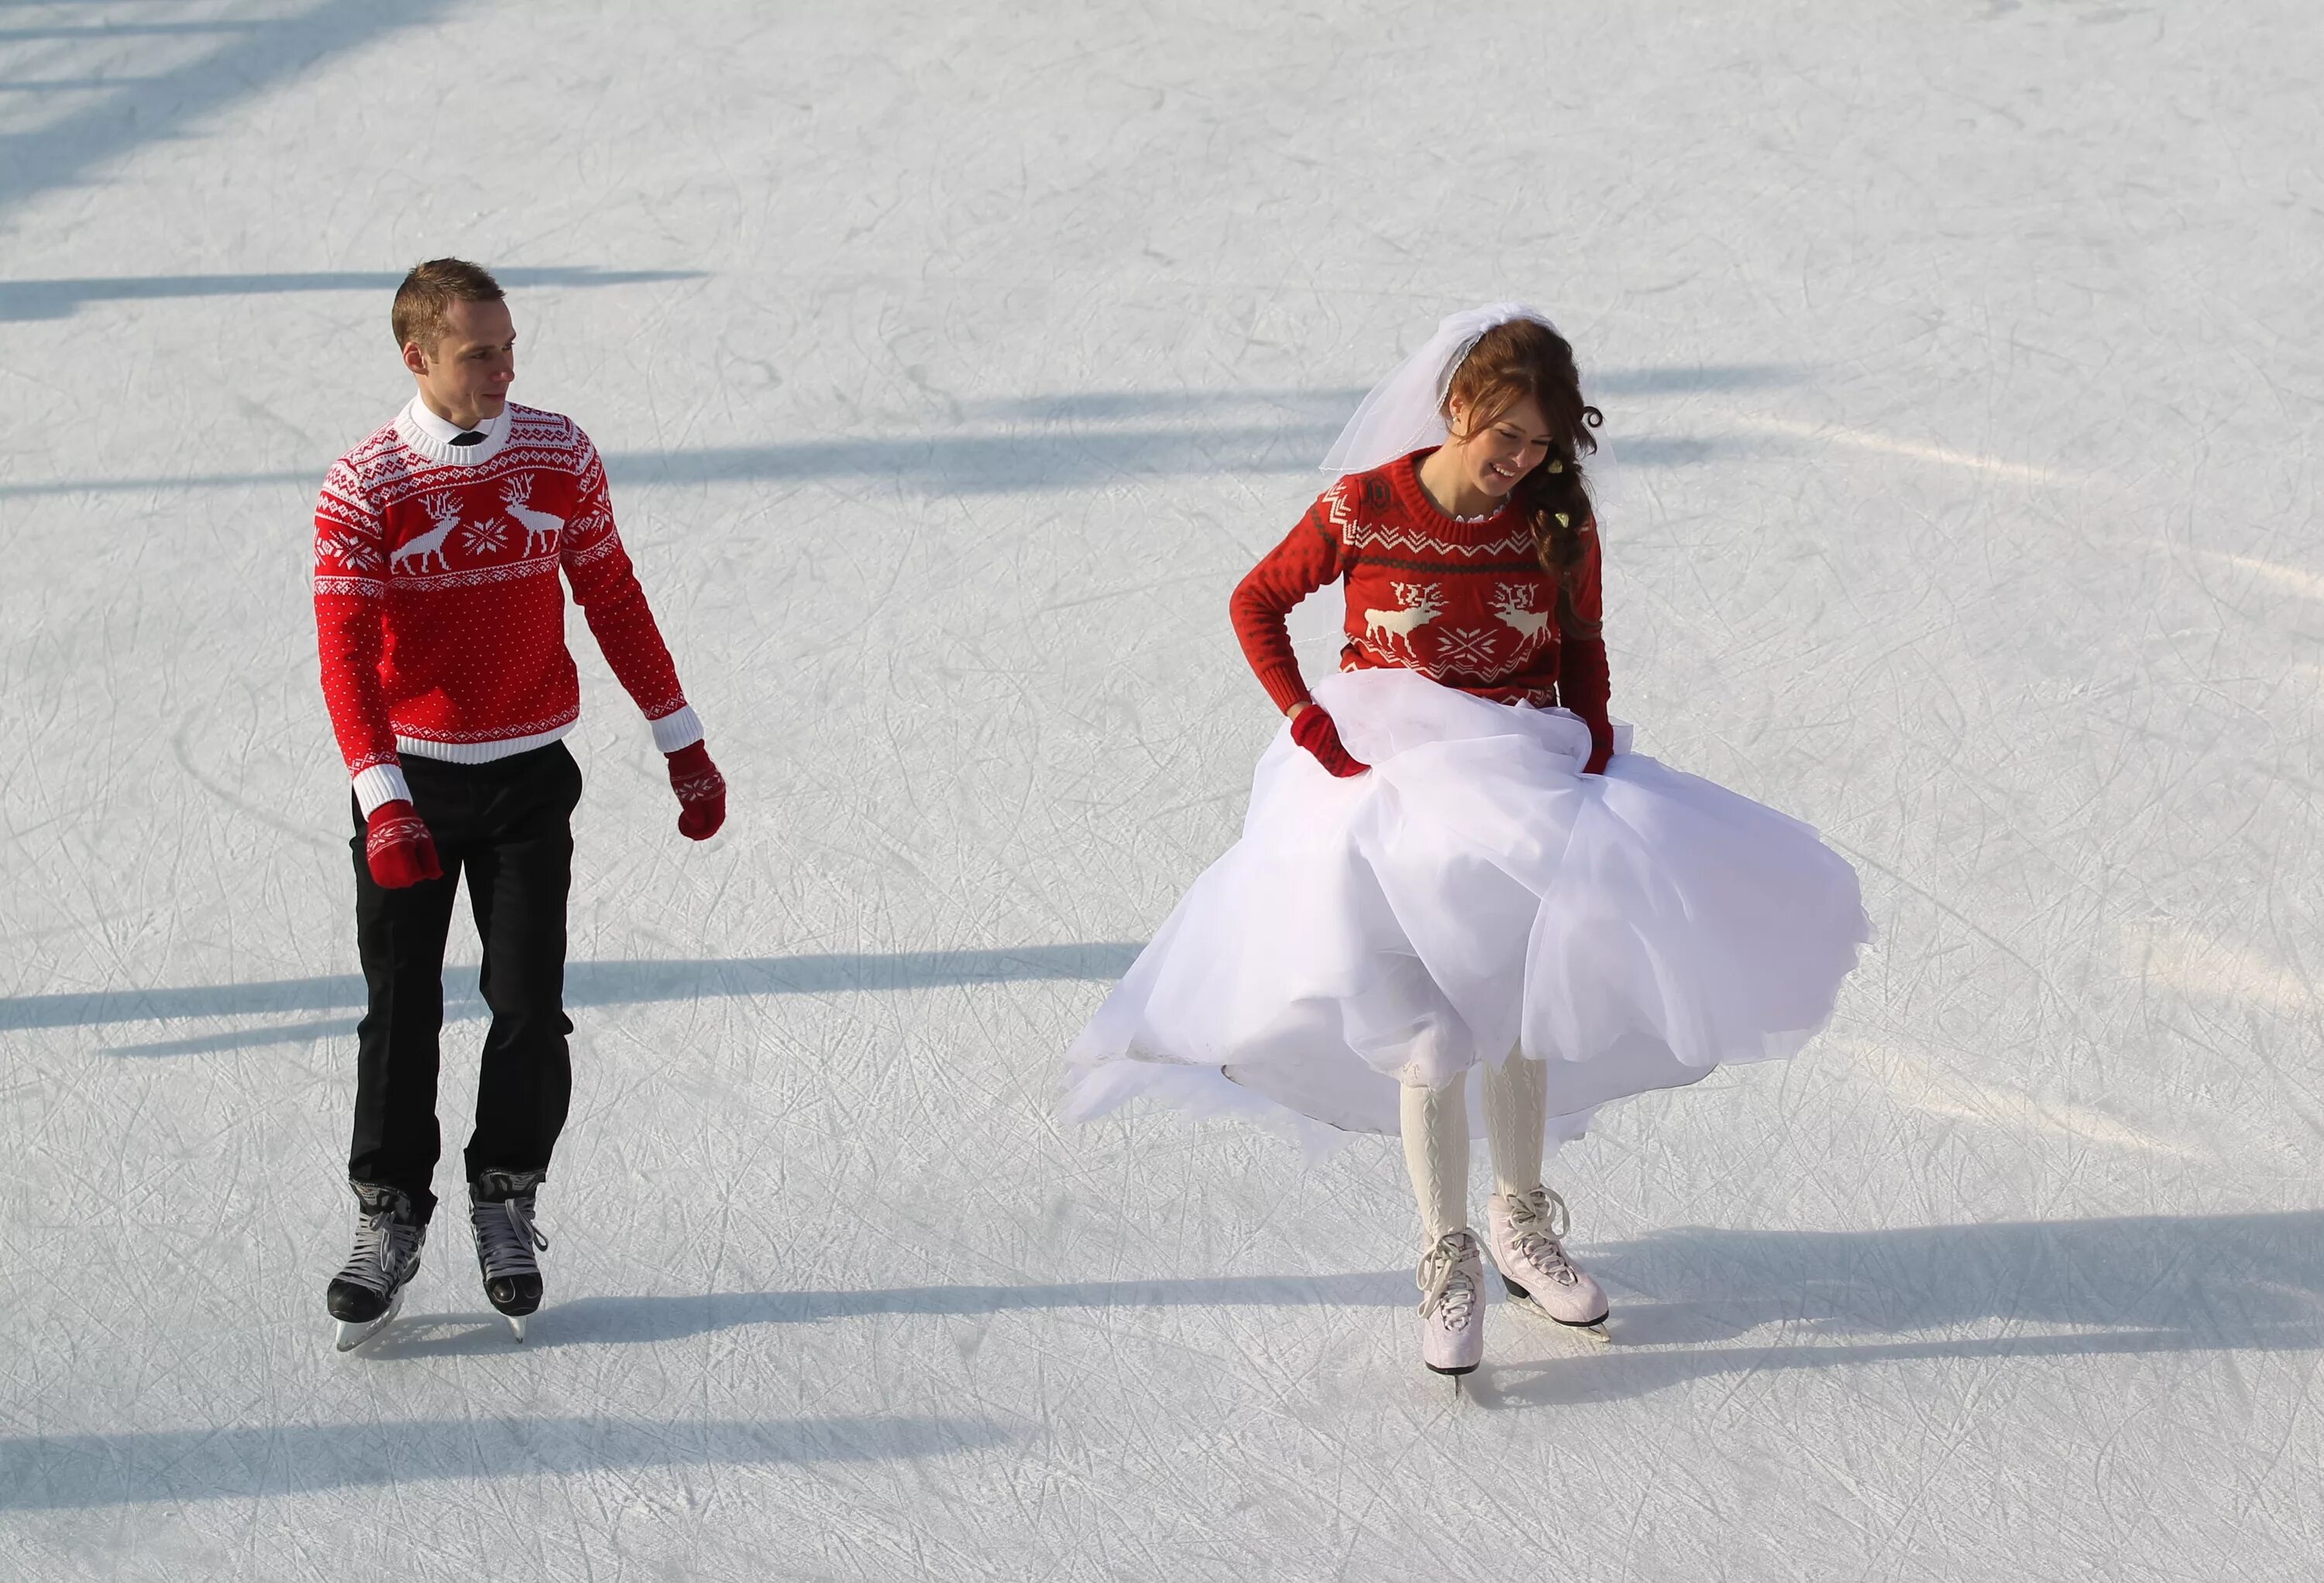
[{"x": 430, "y": 290}]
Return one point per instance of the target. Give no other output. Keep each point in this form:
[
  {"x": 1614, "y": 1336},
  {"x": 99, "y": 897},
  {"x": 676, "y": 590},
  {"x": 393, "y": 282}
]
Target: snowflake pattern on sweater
[
  {"x": 1464, "y": 603},
  {"x": 440, "y": 617}
]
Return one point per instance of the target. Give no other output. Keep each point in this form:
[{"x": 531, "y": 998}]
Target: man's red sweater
[
  {"x": 1463, "y": 602},
  {"x": 439, "y": 616}
]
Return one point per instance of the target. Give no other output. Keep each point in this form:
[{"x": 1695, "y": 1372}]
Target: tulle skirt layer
[{"x": 1473, "y": 896}]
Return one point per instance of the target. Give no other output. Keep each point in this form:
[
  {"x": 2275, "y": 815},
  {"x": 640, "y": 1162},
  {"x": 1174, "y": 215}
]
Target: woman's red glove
[
  {"x": 1315, "y": 730},
  {"x": 1601, "y": 747},
  {"x": 398, "y": 849},
  {"x": 701, "y": 792}
]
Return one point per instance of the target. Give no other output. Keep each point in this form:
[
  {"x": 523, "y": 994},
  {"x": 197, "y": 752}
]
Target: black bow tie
[{"x": 468, "y": 436}]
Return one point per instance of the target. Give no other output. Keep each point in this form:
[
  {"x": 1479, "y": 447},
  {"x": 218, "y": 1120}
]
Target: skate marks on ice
[
  {"x": 2201, "y": 964},
  {"x": 2026, "y": 1291},
  {"x": 939, "y": 463},
  {"x": 1003, "y": 447},
  {"x": 167, "y": 70},
  {"x": 682, "y": 1316},
  {"x": 1092, "y": 439},
  {"x": 587, "y": 984},
  {"x": 79, "y": 1471},
  {"x": 2292, "y": 580},
  {"x": 1064, "y": 441},
  {"x": 61, "y": 299},
  {"x": 1937, "y": 1087},
  {"x": 1873, "y": 440},
  {"x": 1802, "y": 1298}
]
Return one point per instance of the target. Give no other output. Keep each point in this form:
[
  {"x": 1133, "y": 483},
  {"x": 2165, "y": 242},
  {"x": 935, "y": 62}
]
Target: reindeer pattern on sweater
[
  {"x": 1463, "y": 602},
  {"x": 440, "y": 613}
]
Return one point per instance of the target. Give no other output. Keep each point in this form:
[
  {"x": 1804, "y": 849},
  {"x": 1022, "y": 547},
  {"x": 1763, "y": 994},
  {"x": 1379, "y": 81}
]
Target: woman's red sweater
[{"x": 1464, "y": 603}]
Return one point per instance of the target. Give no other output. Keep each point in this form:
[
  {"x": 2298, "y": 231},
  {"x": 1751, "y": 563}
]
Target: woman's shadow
[{"x": 1694, "y": 1302}]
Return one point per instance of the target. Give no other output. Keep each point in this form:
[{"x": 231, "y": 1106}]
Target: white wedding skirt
[{"x": 1473, "y": 894}]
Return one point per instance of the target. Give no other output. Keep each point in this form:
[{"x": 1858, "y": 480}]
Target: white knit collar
[{"x": 431, "y": 436}]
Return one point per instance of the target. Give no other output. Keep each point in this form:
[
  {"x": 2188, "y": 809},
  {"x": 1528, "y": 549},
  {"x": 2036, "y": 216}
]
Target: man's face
[{"x": 465, "y": 375}]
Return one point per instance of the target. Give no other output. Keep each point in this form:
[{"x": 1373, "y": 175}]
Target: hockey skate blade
[
  {"x": 352, "y": 1336},
  {"x": 516, "y": 1323}
]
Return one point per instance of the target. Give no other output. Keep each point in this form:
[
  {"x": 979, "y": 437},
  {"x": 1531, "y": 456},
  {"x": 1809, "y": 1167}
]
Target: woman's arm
[
  {"x": 1308, "y": 559},
  {"x": 1583, "y": 685}
]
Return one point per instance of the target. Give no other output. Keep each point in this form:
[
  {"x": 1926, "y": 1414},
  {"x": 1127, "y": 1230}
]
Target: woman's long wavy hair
[{"x": 1524, "y": 358}]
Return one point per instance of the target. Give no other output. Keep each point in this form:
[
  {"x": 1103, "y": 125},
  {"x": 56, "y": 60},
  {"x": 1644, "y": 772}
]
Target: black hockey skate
[
  {"x": 366, "y": 1294},
  {"x": 499, "y": 1212}
]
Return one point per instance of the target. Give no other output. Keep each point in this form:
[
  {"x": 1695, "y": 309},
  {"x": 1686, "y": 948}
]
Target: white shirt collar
[{"x": 431, "y": 436}]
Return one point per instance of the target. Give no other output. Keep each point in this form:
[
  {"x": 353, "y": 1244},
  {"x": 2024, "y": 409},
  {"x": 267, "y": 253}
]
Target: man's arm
[
  {"x": 606, "y": 588},
  {"x": 350, "y": 613}
]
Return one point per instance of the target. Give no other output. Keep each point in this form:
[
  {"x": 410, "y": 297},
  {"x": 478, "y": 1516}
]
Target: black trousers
[{"x": 508, "y": 825}]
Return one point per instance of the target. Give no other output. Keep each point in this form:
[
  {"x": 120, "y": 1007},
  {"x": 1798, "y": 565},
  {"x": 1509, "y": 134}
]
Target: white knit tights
[
  {"x": 1436, "y": 1152},
  {"x": 1436, "y": 1140},
  {"x": 1516, "y": 1102}
]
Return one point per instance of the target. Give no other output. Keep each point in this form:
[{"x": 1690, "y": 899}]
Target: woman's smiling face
[{"x": 1494, "y": 456}]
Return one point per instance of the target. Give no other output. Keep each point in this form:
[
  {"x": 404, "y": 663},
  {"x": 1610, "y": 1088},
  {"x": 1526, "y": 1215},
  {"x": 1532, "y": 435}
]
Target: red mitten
[
  {"x": 1601, "y": 747},
  {"x": 701, "y": 792},
  {"x": 397, "y": 847},
  {"x": 1315, "y": 731}
]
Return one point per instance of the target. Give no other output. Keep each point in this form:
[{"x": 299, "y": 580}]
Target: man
[{"x": 440, "y": 624}]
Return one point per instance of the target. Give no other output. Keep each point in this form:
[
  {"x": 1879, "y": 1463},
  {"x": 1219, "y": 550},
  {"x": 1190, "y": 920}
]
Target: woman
[{"x": 1451, "y": 860}]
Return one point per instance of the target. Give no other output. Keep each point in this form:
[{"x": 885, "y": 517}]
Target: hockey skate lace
[
  {"x": 1538, "y": 1219},
  {"x": 1444, "y": 1280},
  {"x": 506, "y": 1236},
  {"x": 383, "y": 1245}
]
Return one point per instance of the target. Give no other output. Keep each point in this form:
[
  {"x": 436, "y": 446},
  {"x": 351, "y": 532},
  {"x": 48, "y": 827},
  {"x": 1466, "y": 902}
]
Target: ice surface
[{"x": 951, "y": 362}]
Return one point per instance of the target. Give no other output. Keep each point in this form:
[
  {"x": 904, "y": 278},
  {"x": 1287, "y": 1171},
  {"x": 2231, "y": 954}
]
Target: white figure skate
[
  {"x": 1452, "y": 1305},
  {"x": 1533, "y": 1264}
]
